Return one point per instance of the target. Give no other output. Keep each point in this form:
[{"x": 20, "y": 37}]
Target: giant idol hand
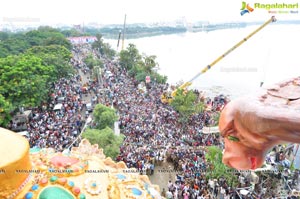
[{"x": 252, "y": 125}]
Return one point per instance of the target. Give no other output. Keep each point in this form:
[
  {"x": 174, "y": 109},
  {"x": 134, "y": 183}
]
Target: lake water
[{"x": 271, "y": 55}]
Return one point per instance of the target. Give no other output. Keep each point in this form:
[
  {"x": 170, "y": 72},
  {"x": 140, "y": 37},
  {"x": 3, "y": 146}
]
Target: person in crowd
[
  {"x": 163, "y": 193},
  {"x": 152, "y": 132}
]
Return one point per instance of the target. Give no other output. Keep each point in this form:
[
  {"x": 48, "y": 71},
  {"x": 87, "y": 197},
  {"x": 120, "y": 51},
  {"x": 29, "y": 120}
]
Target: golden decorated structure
[{"x": 82, "y": 173}]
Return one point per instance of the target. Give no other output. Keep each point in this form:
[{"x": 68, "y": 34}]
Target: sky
[{"x": 19, "y": 12}]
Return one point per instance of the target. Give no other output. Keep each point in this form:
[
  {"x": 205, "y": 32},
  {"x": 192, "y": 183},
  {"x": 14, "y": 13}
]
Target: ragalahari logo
[{"x": 246, "y": 8}]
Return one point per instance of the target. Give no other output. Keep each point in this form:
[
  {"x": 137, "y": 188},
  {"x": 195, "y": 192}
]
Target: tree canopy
[
  {"x": 106, "y": 139},
  {"x": 73, "y": 33},
  {"x": 56, "y": 56},
  {"x": 29, "y": 63},
  {"x": 130, "y": 57},
  {"x": 16, "y": 43},
  {"x": 140, "y": 66},
  {"x": 218, "y": 169},
  {"x": 104, "y": 116},
  {"x": 91, "y": 61},
  {"x": 45, "y": 36},
  {"x": 103, "y": 135},
  {"x": 24, "y": 80},
  {"x": 103, "y": 48},
  {"x": 5, "y": 109},
  {"x": 186, "y": 104}
]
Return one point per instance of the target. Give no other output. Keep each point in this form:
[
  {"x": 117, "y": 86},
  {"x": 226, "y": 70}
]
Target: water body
[{"x": 271, "y": 55}]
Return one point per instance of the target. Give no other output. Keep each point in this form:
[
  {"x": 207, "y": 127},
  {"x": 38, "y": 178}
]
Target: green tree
[
  {"x": 103, "y": 48},
  {"x": 14, "y": 45},
  {"x": 217, "y": 169},
  {"x": 185, "y": 103},
  {"x": 58, "y": 39},
  {"x": 130, "y": 57},
  {"x": 3, "y": 35},
  {"x": 99, "y": 44},
  {"x": 45, "y": 36},
  {"x": 140, "y": 76},
  {"x": 48, "y": 29},
  {"x": 3, "y": 51},
  {"x": 73, "y": 33},
  {"x": 35, "y": 37},
  {"x": 108, "y": 51},
  {"x": 144, "y": 67},
  {"x": 106, "y": 139},
  {"x": 24, "y": 80},
  {"x": 161, "y": 79},
  {"x": 139, "y": 66},
  {"x": 136, "y": 69},
  {"x": 5, "y": 110},
  {"x": 150, "y": 63},
  {"x": 56, "y": 56},
  {"x": 104, "y": 116},
  {"x": 57, "y": 50},
  {"x": 91, "y": 61}
]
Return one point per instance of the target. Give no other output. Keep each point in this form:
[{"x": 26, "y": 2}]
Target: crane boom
[{"x": 187, "y": 84}]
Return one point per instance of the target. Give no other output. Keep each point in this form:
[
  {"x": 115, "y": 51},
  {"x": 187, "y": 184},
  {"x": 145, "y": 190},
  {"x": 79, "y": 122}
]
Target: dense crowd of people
[
  {"x": 58, "y": 122},
  {"x": 151, "y": 127},
  {"x": 153, "y": 133}
]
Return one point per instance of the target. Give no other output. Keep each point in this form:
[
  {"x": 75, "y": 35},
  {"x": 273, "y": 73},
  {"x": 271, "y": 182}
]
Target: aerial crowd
[{"x": 153, "y": 134}]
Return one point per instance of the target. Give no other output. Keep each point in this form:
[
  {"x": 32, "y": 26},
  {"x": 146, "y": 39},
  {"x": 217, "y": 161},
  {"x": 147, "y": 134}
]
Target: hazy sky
[{"x": 113, "y": 11}]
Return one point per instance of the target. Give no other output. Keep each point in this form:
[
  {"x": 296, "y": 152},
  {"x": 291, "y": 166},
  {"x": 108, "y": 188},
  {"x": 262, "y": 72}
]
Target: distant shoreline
[{"x": 136, "y": 31}]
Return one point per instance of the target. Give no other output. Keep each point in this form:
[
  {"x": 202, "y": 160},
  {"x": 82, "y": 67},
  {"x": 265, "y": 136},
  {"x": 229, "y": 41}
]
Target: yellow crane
[{"x": 167, "y": 97}]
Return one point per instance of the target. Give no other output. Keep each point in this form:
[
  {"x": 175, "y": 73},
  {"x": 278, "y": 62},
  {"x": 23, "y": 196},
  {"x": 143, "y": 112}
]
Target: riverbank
[{"x": 181, "y": 56}]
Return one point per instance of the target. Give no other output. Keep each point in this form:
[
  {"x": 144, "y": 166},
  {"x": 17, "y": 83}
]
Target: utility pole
[
  {"x": 123, "y": 33},
  {"x": 82, "y": 27},
  {"x": 99, "y": 77},
  {"x": 120, "y": 33}
]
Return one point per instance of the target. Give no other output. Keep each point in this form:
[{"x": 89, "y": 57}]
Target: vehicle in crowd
[
  {"x": 89, "y": 107},
  {"x": 20, "y": 119},
  {"x": 58, "y": 107},
  {"x": 60, "y": 99}
]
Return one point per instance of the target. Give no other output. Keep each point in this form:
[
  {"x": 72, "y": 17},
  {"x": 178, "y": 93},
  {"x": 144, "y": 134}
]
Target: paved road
[
  {"x": 160, "y": 178},
  {"x": 84, "y": 79}
]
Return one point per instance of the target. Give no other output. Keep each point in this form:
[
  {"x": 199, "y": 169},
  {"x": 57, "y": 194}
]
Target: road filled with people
[{"x": 153, "y": 133}]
